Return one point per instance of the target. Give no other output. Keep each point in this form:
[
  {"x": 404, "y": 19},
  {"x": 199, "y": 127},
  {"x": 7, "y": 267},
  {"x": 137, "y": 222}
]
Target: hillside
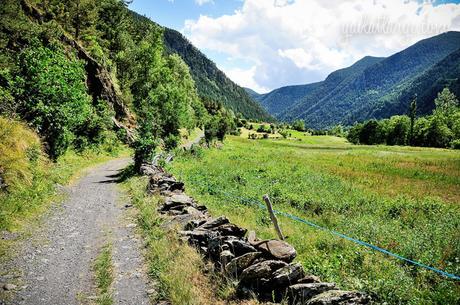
[
  {"x": 211, "y": 82},
  {"x": 254, "y": 95},
  {"x": 445, "y": 73},
  {"x": 278, "y": 100},
  {"x": 377, "y": 87}
]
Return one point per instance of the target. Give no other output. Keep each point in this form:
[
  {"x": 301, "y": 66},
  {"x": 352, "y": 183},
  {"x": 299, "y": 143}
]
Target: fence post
[{"x": 273, "y": 217}]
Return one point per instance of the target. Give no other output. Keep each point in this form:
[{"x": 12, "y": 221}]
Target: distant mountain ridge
[{"x": 373, "y": 87}]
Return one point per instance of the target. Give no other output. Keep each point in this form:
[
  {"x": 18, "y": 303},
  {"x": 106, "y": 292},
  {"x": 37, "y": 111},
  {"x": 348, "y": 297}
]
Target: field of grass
[{"x": 402, "y": 199}]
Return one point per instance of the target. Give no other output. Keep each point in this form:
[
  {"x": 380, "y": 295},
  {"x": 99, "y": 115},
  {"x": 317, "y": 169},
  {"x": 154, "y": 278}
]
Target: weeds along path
[{"x": 56, "y": 265}]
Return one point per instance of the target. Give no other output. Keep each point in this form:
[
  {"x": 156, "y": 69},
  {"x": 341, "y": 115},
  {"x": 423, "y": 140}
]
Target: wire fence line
[{"x": 259, "y": 204}]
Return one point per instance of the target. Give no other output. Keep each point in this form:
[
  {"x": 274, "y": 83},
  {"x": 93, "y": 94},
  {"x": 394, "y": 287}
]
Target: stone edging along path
[{"x": 263, "y": 268}]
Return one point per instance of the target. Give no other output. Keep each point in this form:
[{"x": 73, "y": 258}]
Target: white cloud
[
  {"x": 201, "y": 2},
  {"x": 245, "y": 78},
  {"x": 301, "y": 41}
]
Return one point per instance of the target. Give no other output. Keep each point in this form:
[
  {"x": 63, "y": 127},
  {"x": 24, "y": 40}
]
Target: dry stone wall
[{"x": 263, "y": 268}]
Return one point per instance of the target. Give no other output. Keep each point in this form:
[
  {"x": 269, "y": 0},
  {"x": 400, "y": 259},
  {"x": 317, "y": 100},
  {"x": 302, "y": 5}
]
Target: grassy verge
[
  {"x": 103, "y": 269},
  {"x": 176, "y": 268},
  {"x": 399, "y": 198},
  {"x": 27, "y": 199}
]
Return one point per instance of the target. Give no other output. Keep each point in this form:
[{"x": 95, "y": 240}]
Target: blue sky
[{"x": 265, "y": 44}]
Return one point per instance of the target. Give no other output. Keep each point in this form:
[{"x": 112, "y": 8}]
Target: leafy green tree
[
  {"x": 446, "y": 103},
  {"x": 298, "y": 125},
  {"x": 438, "y": 133},
  {"x": 371, "y": 133},
  {"x": 412, "y": 115},
  {"x": 146, "y": 141},
  {"x": 398, "y": 130},
  {"x": 52, "y": 92},
  {"x": 421, "y": 127},
  {"x": 354, "y": 132}
]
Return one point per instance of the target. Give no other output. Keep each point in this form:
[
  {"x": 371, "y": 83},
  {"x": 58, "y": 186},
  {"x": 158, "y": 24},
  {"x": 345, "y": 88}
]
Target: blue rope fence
[{"x": 257, "y": 203}]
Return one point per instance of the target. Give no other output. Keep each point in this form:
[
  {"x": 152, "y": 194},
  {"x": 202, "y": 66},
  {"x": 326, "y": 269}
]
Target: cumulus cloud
[{"x": 301, "y": 41}]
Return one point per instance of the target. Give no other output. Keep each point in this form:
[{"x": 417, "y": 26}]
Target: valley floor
[{"x": 403, "y": 199}]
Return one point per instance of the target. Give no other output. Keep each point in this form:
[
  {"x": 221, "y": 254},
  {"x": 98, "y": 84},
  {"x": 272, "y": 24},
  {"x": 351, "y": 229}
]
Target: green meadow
[{"x": 403, "y": 199}]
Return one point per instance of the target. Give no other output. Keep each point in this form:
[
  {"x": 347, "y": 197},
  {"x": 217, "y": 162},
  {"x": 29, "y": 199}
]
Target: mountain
[
  {"x": 278, "y": 100},
  {"x": 445, "y": 73},
  {"x": 211, "y": 82},
  {"x": 373, "y": 87},
  {"x": 254, "y": 95}
]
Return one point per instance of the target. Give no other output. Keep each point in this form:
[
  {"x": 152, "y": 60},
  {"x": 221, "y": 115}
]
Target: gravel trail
[{"x": 56, "y": 264}]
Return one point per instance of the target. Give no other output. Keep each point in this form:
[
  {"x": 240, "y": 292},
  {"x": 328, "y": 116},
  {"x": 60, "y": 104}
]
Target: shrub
[
  {"x": 51, "y": 88},
  {"x": 298, "y": 125},
  {"x": 455, "y": 144}
]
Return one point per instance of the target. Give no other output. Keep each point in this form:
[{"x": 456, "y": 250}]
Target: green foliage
[
  {"x": 438, "y": 130},
  {"x": 52, "y": 95},
  {"x": 298, "y": 125},
  {"x": 146, "y": 141}
]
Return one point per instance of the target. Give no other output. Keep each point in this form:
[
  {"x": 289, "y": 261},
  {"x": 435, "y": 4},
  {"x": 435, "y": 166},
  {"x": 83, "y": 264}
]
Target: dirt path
[{"x": 56, "y": 264}]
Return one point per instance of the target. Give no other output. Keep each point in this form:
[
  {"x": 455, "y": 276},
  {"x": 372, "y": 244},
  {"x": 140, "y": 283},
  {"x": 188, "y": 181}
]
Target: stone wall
[{"x": 264, "y": 269}]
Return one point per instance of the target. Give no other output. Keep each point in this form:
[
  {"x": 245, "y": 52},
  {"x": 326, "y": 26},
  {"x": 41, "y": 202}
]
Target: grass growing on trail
[
  {"x": 103, "y": 269},
  {"x": 175, "y": 267},
  {"x": 403, "y": 199}
]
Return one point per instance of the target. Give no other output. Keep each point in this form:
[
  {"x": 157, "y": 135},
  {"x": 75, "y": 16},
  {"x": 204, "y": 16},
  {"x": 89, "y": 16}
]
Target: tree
[
  {"x": 397, "y": 130},
  {"x": 438, "y": 133},
  {"x": 298, "y": 125},
  {"x": 412, "y": 115},
  {"x": 54, "y": 99},
  {"x": 146, "y": 141},
  {"x": 370, "y": 133},
  {"x": 446, "y": 103}
]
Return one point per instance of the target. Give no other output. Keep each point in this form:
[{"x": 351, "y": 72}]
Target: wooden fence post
[{"x": 273, "y": 217}]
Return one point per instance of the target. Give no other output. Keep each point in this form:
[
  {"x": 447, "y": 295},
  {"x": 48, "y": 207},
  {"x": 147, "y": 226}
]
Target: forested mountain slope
[
  {"x": 211, "y": 82},
  {"x": 279, "y": 99},
  {"x": 331, "y": 86},
  {"x": 426, "y": 87},
  {"x": 379, "y": 87}
]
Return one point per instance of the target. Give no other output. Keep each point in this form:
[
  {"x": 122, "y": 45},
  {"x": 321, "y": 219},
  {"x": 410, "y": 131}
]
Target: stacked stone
[{"x": 262, "y": 268}]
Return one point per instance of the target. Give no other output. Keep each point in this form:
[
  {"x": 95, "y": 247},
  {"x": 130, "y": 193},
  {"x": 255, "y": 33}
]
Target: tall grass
[
  {"x": 401, "y": 199},
  {"x": 176, "y": 268},
  {"x": 103, "y": 269},
  {"x": 31, "y": 177}
]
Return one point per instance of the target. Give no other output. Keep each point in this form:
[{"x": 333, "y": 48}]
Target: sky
[{"x": 267, "y": 44}]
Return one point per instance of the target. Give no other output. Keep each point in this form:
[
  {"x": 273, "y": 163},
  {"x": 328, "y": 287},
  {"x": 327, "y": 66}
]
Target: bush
[
  {"x": 455, "y": 144},
  {"x": 298, "y": 125},
  {"x": 52, "y": 91}
]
